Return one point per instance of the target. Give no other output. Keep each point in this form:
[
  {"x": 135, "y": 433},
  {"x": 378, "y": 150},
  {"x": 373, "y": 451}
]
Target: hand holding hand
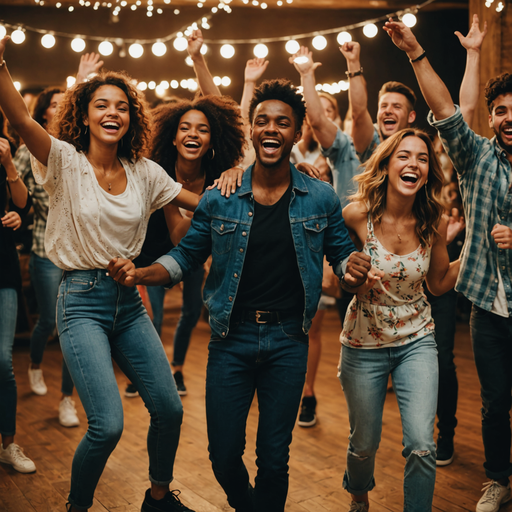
[
  {"x": 358, "y": 266},
  {"x": 303, "y": 61},
  {"x": 502, "y": 236},
  {"x": 123, "y": 271},
  {"x": 11, "y": 220},
  {"x": 475, "y": 37},
  {"x": 254, "y": 69},
  {"x": 195, "y": 42}
]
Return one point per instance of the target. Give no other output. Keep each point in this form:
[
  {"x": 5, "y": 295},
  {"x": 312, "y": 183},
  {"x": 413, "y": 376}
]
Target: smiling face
[
  {"x": 500, "y": 121},
  {"x": 52, "y": 108},
  {"x": 408, "y": 166},
  {"x": 108, "y": 115},
  {"x": 394, "y": 113},
  {"x": 274, "y": 132},
  {"x": 193, "y": 136}
]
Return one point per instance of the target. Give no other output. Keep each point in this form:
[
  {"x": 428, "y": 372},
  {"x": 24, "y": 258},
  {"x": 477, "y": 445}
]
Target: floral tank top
[{"x": 395, "y": 311}]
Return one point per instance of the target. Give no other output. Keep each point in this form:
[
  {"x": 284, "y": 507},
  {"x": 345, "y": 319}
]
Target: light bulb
[
  {"x": 409, "y": 20},
  {"x": 48, "y": 41},
  {"x": 227, "y": 51},
  {"x": 18, "y": 36},
  {"x": 370, "y": 30},
  {"x": 159, "y": 49},
  {"x": 261, "y": 51},
  {"x": 292, "y": 46},
  {"x": 180, "y": 44},
  {"x": 78, "y": 45},
  {"x": 319, "y": 42},
  {"x": 343, "y": 37}
]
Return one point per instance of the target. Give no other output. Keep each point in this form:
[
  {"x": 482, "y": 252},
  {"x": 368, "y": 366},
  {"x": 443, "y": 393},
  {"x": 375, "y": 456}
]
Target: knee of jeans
[
  {"x": 6, "y": 370},
  {"x": 168, "y": 417},
  {"x": 362, "y": 454}
]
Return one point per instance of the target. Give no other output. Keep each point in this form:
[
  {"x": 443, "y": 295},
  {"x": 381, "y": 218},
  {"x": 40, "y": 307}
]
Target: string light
[
  {"x": 159, "y": 49},
  {"x": 319, "y": 43},
  {"x": 18, "y": 36},
  {"x": 292, "y": 46},
  {"x": 3, "y": 31},
  {"x": 78, "y": 45},
  {"x": 370, "y": 30},
  {"x": 227, "y": 51},
  {"x": 136, "y": 50},
  {"x": 261, "y": 51},
  {"x": 409, "y": 20},
  {"x": 70, "y": 81},
  {"x": 106, "y": 48},
  {"x": 180, "y": 43},
  {"x": 17, "y": 85},
  {"x": 344, "y": 37},
  {"x": 48, "y": 41}
]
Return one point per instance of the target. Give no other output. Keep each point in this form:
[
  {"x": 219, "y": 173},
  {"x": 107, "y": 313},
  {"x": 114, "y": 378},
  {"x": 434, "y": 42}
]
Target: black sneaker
[
  {"x": 131, "y": 391},
  {"x": 307, "y": 416},
  {"x": 169, "y": 503},
  {"x": 445, "y": 451},
  {"x": 180, "y": 385}
]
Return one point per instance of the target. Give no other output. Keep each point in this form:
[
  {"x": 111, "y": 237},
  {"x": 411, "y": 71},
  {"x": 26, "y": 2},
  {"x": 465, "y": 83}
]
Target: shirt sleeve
[
  {"x": 60, "y": 159},
  {"x": 461, "y": 143},
  {"x": 368, "y": 152},
  {"x": 164, "y": 189}
]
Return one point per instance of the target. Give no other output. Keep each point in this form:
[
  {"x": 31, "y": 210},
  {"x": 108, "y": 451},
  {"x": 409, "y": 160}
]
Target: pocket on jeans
[
  {"x": 292, "y": 328},
  {"x": 80, "y": 285},
  {"x": 479, "y": 311}
]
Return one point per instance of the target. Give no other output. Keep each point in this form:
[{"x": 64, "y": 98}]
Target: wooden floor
[{"x": 317, "y": 454}]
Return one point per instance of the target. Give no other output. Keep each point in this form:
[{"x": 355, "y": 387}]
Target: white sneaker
[
  {"x": 35, "y": 378},
  {"x": 67, "y": 413},
  {"x": 494, "y": 496},
  {"x": 14, "y": 456}
]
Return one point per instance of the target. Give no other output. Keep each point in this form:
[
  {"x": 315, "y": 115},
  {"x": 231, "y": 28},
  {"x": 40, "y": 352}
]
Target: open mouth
[
  {"x": 110, "y": 126},
  {"x": 389, "y": 123},
  {"x": 192, "y": 144},
  {"x": 508, "y": 131},
  {"x": 270, "y": 145},
  {"x": 409, "y": 177}
]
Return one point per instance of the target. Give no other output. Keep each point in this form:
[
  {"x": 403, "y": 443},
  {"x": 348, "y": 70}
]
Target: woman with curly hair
[
  {"x": 396, "y": 217},
  {"x": 102, "y": 193},
  {"x": 207, "y": 139}
]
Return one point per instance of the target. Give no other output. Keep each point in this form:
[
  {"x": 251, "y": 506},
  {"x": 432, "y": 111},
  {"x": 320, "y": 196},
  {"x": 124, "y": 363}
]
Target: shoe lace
[
  {"x": 17, "y": 454},
  {"x": 172, "y": 496},
  {"x": 358, "y": 506},
  {"x": 492, "y": 492}
]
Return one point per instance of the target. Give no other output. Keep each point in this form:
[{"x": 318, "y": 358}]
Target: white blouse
[{"x": 85, "y": 227}]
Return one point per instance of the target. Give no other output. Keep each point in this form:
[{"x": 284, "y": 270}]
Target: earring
[
  {"x": 213, "y": 154},
  {"x": 86, "y": 128}
]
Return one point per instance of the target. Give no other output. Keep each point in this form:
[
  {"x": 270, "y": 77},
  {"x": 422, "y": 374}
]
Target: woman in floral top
[{"x": 397, "y": 218}]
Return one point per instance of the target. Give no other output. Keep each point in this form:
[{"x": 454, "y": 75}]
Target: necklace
[
  {"x": 104, "y": 172},
  {"x": 186, "y": 181}
]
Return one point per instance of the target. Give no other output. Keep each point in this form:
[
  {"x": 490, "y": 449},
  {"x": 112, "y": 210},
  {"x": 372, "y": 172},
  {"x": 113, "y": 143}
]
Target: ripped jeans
[{"x": 364, "y": 377}]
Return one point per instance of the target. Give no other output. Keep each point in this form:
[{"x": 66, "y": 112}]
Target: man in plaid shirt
[{"x": 484, "y": 170}]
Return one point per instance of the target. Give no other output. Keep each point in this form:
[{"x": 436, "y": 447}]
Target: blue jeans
[
  {"x": 492, "y": 345},
  {"x": 100, "y": 320},
  {"x": 156, "y": 296},
  {"x": 191, "y": 308},
  {"x": 444, "y": 309},
  {"x": 364, "y": 378},
  {"x": 8, "y": 396},
  {"x": 270, "y": 359},
  {"x": 45, "y": 277}
]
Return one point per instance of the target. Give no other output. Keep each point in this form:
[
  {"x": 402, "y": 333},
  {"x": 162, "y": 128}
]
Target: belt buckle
[{"x": 258, "y": 315}]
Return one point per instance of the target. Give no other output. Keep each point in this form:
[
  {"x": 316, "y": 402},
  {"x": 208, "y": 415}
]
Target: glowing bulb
[
  {"x": 344, "y": 85},
  {"x": 160, "y": 91},
  {"x": 136, "y": 50},
  {"x": 292, "y": 46},
  {"x": 217, "y": 80},
  {"x": 227, "y": 51},
  {"x": 184, "y": 84},
  {"x": 17, "y": 85},
  {"x": 180, "y": 44},
  {"x": 164, "y": 84},
  {"x": 319, "y": 42},
  {"x": 70, "y": 81},
  {"x": 175, "y": 84},
  {"x": 159, "y": 49},
  {"x": 106, "y": 48},
  {"x": 261, "y": 51},
  {"x": 409, "y": 20},
  {"x": 204, "y": 49},
  {"x": 3, "y": 32},
  {"x": 370, "y": 30},
  {"x": 18, "y": 36},
  {"x": 152, "y": 85},
  {"x": 301, "y": 60},
  {"x": 142, "y": 86},
  {"x": 48, "y": 41},
  {"x": 226, "y": 81},
  {"x": 78, "y": 45},
  {"x": 189, "y": 61},
  {"x": 343, "y": 37},
  {"x": 192, "y": 84}
]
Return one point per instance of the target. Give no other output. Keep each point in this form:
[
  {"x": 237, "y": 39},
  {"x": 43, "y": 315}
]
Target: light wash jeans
[
  {"x": 100, "y": 320},
  {"x": 8, "y": 396},
  {"x": 364, "y": 377},
  {"x": 45, "y": 277}
]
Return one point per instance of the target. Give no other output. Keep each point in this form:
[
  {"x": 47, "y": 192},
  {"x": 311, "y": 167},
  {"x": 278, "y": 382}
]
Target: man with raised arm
[
  {"x": 395, "y": 111},
  {"x": 267, "y": 243},
  {"x": 484, "y": 168}
]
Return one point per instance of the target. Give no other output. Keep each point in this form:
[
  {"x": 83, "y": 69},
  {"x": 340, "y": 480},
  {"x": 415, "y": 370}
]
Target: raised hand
[
  {"x": 89, "y": 63},
  {"x": 254, "y": 69},
  {"x": 401, "y": 36},
  {"x": 3, "y": 44},
  {"x": 351, "y": 51},
  {"x": 195, "y": 42},
  {"x": 303, "y": 61},
  {"x": 475, "y": 37}
]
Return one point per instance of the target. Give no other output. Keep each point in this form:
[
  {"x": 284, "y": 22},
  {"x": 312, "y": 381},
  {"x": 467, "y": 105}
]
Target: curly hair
[
  {"x": 68, "y": 124},
  {"x": 373, "y": 183},
  {"x": 282, "y": 90},
  {"x": 227, "y": 136},
  {"x": 501, "y": 84},
  {"x": 399, "y": 88},
  {"x": 42, "y": 102}
]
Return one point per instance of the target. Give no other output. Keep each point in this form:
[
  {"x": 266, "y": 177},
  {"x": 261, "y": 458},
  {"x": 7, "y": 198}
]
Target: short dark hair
[
  {"x": 42, "y": 102},
  {"x": 501, "y": 84},
  {"x": 399, "y": 88},
  {"x": 281, "y": 90}
]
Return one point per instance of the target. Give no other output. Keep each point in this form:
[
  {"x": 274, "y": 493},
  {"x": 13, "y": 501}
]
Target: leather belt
[{"x": 263, "y": 317}]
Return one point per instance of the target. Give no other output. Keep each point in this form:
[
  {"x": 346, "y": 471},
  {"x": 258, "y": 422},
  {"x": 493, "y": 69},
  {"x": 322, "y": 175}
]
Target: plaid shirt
[
  {"x": 40, "y": 200},
  {"x": 485, "y": 177}
]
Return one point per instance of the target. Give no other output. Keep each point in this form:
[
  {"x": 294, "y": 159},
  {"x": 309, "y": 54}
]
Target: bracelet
[
  {"x": 422, "y": 56},
  {"x": 18, "y": 175},
  {"x": 346, "y": 284},
  {"x": 354, "y": 73}
]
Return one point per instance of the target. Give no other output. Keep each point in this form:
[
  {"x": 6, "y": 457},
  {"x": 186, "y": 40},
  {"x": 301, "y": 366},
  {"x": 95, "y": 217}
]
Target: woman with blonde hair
[{"x": 396, "y": 217}]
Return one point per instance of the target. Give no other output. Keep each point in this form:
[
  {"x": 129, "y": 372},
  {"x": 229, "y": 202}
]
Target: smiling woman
[{"x": 102, "y": 193}]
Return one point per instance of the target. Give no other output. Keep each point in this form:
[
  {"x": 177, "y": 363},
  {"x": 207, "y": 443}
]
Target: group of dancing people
[{"x": 145, "y": 198}]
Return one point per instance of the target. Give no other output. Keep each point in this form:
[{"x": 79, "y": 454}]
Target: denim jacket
[{"x": 221, "y": 226}]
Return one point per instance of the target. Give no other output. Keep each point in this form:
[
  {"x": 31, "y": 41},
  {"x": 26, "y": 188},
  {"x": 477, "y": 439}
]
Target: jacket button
[
  {"x": 235, "y": 274},
  {"x": 241, "y": 250},
  {"x": 250, "y": 214},
  {"x": 230, "y": 299},
  {"x": 223, "y": 334},
  {"x": 317, "y": 226},
  {"x": 244, "y": 233},
  {"x": 222, "y": 227}
]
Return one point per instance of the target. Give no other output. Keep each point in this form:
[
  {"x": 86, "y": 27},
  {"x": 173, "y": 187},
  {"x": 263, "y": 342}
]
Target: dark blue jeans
[
  {"x": 492, "y": 346},
  {"x": 444, "y": 309},
  {"x": 271, "y": 360}
]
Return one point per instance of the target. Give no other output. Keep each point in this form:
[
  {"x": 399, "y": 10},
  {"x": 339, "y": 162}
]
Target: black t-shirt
[{"x": 270, "y": 278}]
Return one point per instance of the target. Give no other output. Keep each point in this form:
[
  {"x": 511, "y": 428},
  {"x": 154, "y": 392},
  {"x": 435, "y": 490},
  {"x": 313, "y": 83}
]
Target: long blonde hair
[{"x": 373, "y": 184}]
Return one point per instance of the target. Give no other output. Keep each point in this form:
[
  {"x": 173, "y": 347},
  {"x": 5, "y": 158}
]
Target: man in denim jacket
[{"x": 268, "y": 241}]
